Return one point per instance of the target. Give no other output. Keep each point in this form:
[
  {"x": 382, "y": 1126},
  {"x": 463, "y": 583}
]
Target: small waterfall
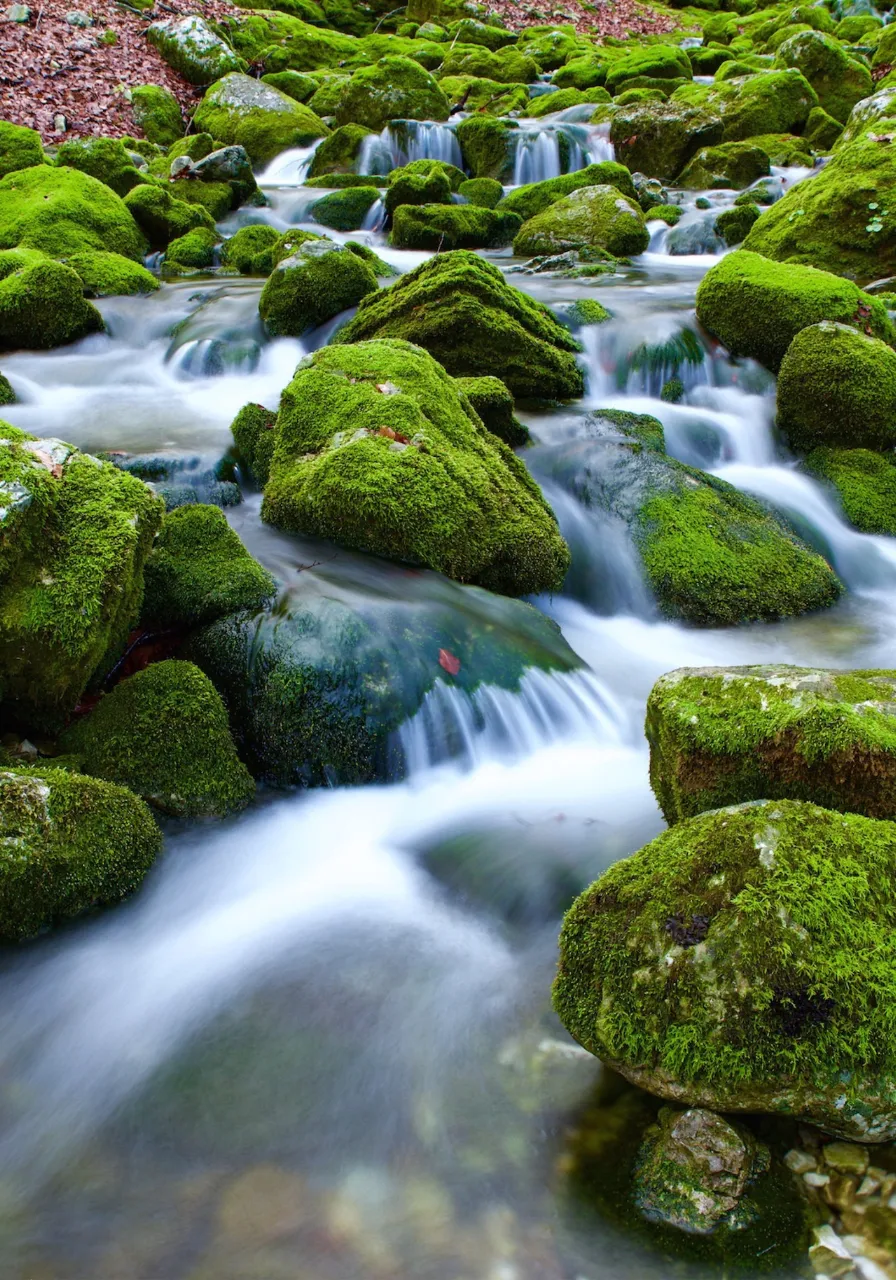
[
  {"x": 213, "y": 357},
  {"x": 375, "y": 216},
  {"x": 405, "y": 140},
  {"x": 537, "y": 156},
  {"x": 548, "y": 149},
  {"x": 290, "y": 168},
  {"x": 497, "y": 724}
]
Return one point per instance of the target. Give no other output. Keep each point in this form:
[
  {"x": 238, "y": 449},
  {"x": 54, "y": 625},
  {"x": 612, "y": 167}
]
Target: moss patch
[{"x": 62, "y": 212}]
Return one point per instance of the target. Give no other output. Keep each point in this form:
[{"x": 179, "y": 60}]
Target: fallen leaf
[{"x": 448, "y": 662}]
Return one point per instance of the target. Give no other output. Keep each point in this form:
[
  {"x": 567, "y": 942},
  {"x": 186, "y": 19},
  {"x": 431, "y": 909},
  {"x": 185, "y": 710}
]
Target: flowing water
[{"x": 318, "y": 1044}]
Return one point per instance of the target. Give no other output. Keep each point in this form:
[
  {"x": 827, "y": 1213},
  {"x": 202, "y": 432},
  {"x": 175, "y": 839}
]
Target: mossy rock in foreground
[
  {"x": 64, "y": 211},
  {"x": 43, "y": 306},
  {"x": 597, "y": 217},
  {"x": 725, "y": 735},
  {"x": 464, "y": 313},
  {"x": 69, "y": 843},
  {"x": 163, "y": 734},
  {"x": 745, "y": 960},
  {"x": 864, "y": 483},
  {"x": 377, "y": 448},
  {"x": 452, "y": 226}
]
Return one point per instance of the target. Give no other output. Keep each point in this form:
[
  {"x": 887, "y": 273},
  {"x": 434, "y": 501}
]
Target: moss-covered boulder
[
  {"x": 867, "y": 114},
  {"x": 199, "y": 570},
  {"x": 20, "y": 147},
  {"x": 254, "y": 435},
  {"x": 312, "y": 285},
  {"x": 733, "y": 164},
  {"x": 658, "y": 140},
  {"x": 494, "y": 405},
  {"x": 107, "y": 275},
  {"x": 63, "y": 211},
  {"x": 339, "y": 152},
  {"x": 161, "y": 217},
  {"x": 839, "y": 81},
  {"x": 70, "y": 844},
  {"x": 43, "y": 306},
  {"x": 106, "y": 159},
  {"x": 240, "y": 110},
  {"x": 658, "y": 62},
  {"x": 533, "y": 197},
  {"x": 377, "y": 449},
  {"x": 193, "y": 49},
  {"x": 74, "y": 537},
  {"x": 733, "y": 225},
  {"x": 822, "y": 130},
  {"x": 470, "y": 31},
  {"x": 864, "y": 484},
  {"x": 445, "y": 227},
  {"x": 7, "y": 395},
  {"x": 744, "y": 961},
  {"x": 345, "y": 210},
  {"x": 486, "y": 145},
  {"x": 592, "y": 217},
  {"x": 722, "y": 736},
  {"x": 506, "y": 66},
  {"x": 837, "y": 387},
  {"x": 711, "y": 555},
  {"x": 551, "y": 46},
  {"x": 157, "y": 114},
  {"x": 756, "y": 307},
  {"x": 293, "y": 83},
  {"x": 391, "y": 88},
  {"x": 463, "y": 312},
  {"x": 766, "y": 103},
  {"x": 549, "y": 103},
  {"x": 421, "y": 182},
  {"x": 587, "y": 71},
  {"x": 316, "y": 690},
  {"x": 486, "y": 97},
  {"x": 250, "y": 250},
  {"x": 163, "y": 734},
  {"x": 484, "y": 192},
  {"x": 197, "y": 250}
]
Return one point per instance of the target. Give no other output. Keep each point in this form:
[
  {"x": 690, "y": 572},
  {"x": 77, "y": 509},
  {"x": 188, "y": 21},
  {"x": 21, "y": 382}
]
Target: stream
[{"x": 318, "y": 1044}]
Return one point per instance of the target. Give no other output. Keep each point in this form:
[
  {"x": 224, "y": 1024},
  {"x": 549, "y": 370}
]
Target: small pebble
[
  {"x": 78, "y": 18},
  {"x": 846, "y": 1157},
  {"x": 799, "y": 1161},
  {"x": 816, "y": 1179},
  {"x": 18, "y": 13},
  {"x": 868, "y": 1186}
]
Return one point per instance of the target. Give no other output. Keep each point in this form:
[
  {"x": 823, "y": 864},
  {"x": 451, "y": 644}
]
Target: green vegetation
[
  {"x": 390, "y": 89},
  {"x": 20, "y": 148},
  {"x": 592, "y": 217},
  {"x": 344, "y": 210},
  {"x": 195, "y": 250},
  {"x": 63, "y": 211},
  {"x": 105, "y": 159},
  {"x": 43, "y": 306},
  {"x": 157, "y": 112},
  {"x": 250, "y": 250},
  {"x": 161, "y": 217},
  {"x": 315, "y": 283},
  {"x": 256, "y": 116},
  {"x": 865, "y": 485},
  {"x": 494, "y": 404},
  {"x": 106, "y": 275},
  {"x": 455, "y": 226},
  {"x": 534, "y": 197},
  {"x": 254, "y": 437}
]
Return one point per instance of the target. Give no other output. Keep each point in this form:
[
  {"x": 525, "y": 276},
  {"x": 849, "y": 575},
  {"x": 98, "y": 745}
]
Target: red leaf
[{"x": 448, "y": 662}]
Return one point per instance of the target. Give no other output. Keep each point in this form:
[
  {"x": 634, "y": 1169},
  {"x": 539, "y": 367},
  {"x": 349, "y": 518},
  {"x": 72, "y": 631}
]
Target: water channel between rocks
[{"x": 318, "y": 1044}]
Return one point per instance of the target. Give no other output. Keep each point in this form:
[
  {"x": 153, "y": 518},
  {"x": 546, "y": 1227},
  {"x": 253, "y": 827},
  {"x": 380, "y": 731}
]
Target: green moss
[
  {"x": 421, "y": 182},
  {"x": 344, "y": 210},
  {"x": 461, "y": 309},
  {"x": 250, "y": 250},
  {"x": 70, "y": 844},
  {"x": 822, "y": 130},
  {"x": 587, "y": 311},
  {"x": 659, "y": 140},
  {"x": 837, "y": 387},
  {"x": 733, "y": 164},
  {"x": 292, "y": 240},
  {"x": 865, "y": 485},
  {"x": 855, "y": 27},
  {"x": 317, "y": 282},
  {"x": 659, "y": 62},
  {"x": 328, "y": 94},
  {"x": 408, "y": 473},
  {"x": 392, "y": 88},
  {"x": 106, "y": 159},
  {"x": 293, "y": 84},
  {"x": 196, "y": 147},
  {"x": 163, "y": 734},
  {"x": 445, "y": 227},
  {"x": 508, "y": 66},
  {"x": 197, "y": 249},
  {"x": 73, "y": 543},
  {"x": 491, "y": 400},
  {"x": 668, "y": 213},
  {"x": 7, "y": 395},
  {"x": 338, "y": 152},
  {"x": 533, "y": 197},
  {"x": 343, "y": 181},
  {"x": 157, "y": 112},
  {"x": 254, "y": 437},
  {"x": 199, "y": 570},
  {"x": 672, "y": 390},
  {"x": 469, "y": 31},
  {"x": 380, "y": 269},
  {"x": 194, "y": 49},
  {"x": 770, "y": 102},
  {"x": 486, "y": 145},
  {"x": 487, "y": 97},
  {"x": 281, "y": 42},
  {"x": 787, "y": 1004},
  {"x": 723, "y": 736},
  {"x": 64, "y": 211},
  {"x": 215, "y": 197},
  {"x": 43, "y": 306},
  {"x": 551, "y": 46},
  {"x": 839, "y": 81},
  {"x": 106, "y": 275},
  {"x": 734, "y": 224},
  {"x": 585, "y": 72},
  {"x": 483, "y": 192},
  {"x": 756, "y": 307},
  {"x": 592, "y": 217},
  {"x": 241, "y": 111},
  {"x": 161, "y": 218},
  {"x": 20, "y": 148}
]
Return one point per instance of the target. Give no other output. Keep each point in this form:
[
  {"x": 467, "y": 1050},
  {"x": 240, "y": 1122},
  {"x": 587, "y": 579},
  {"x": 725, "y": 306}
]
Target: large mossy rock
[
  {"x": 237, "y": 109},
  {"x": 74, "y": 536},
  {"x": 193, "y": 49},
  {"x": 722, "y": 735},
  {"x": 69, "y": 844},
  {"x": 391, "y": 89},
  {"x": 63, "y": 211},
  {"x": 658, "y": 139},
  {"x": 843, "y": 218},
  {"x": 658, "y": 62},
  {"x": 109, "y": 275},
  {"x": 43, "y": 306},
  {"x": 839, "y": 81},
  {"x": 344, "y": 210},
  {"x": 443, "y": 227},
  {"x": 20, "y": 147},
  {"x": 864, "y": 484},
  {"x": 163, "y": 733},
  {"x": 712, "y": 555},
  {"x": 106, "y": 159},
  {"x": 756, "y": 307},
  {"x": 591, "y": 218},
  {"x": 199, "y": 570},
  {"x": 157, "y": 113},
  {"x": 533, "y": 197},
  {"x": 487, "y": 146},
  {"x": 745, "y": 961},
  {"x": 312, "y": 285},
  {"x": 754, "y": 106},
  {"x": 732, "y": 164},
  {"x": 339, "y": 152},
  {"x": 377, "y": 448},
  {"x": 463, "y": 312},
  {"x": 161, "y": 217},
  {"x": 421, "y": 182},
  {"x": 508, "y": 66},
  {"x": 837, "y": 387},
  {"x": 317, "y": 689}
]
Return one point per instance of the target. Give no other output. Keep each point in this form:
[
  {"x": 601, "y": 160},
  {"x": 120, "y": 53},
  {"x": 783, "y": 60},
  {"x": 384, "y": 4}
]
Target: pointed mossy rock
[
  {"x": 756, "y": 307},
  {"x": 591, "y": 218},
  {"x": 193, "y": 49},
  {"x": 316, "y": 690},
  {"x": 864, "y": 484},
  {"x": 712, "y": 555},
  {"x": 312, "y": 285},
  {"x": 723, "y": 735},
  {"x": 837, "y": 387},
  {"x": 43, "y": 306},
  {"x": 20, "y": 147},
  {"x": 157, "y": 113},
  {"x": 443, "y": 227},
  {"x": 199, "y": 570},
  {"x": 494, "y": 404},
  {"x": 70, "y": 843},
  {"x": 377, "y": 449},
  {"x": 161, "y": 217},
  {"x": 745, "y": 960},
  {"x": 463, "y": 312},
  {"x": 533, "y": 197},
  {"x": 63, "y": 211},
  {"x": 392, "y": 88},
  {"x": 74, "y": 537},
  {"x": 238, "y": 110},
  {"x": 163, "y": 734},
  {"x": 421, "y": 182}
]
